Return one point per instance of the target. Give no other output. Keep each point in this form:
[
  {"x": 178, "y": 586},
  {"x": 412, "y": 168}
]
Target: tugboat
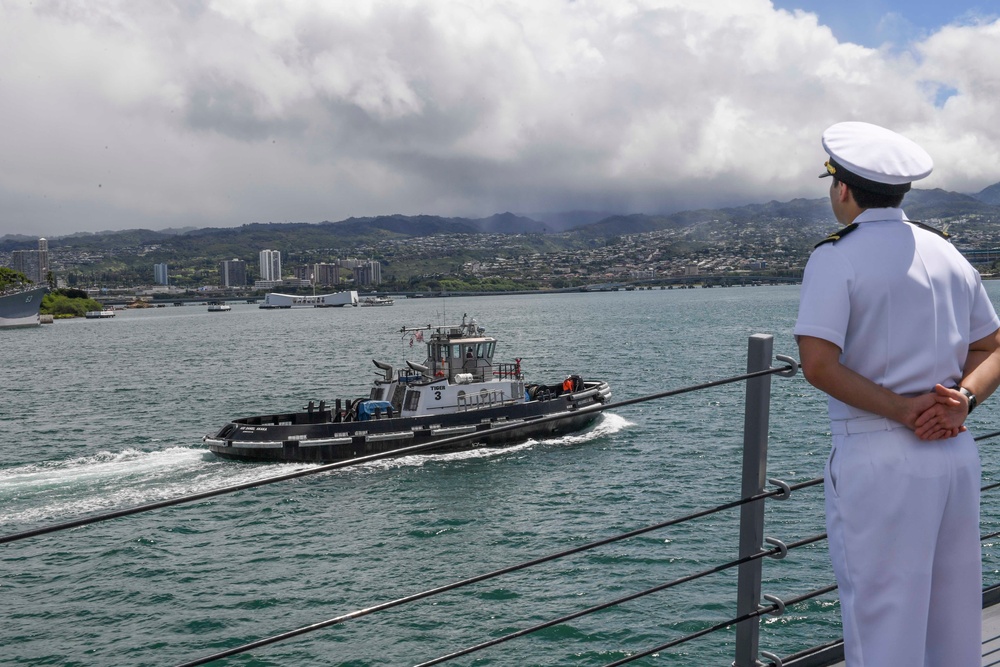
[{"x": 459, "y": 389}]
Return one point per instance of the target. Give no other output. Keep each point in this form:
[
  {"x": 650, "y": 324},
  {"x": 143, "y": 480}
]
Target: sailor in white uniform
[{"x": 894, "y": 324}]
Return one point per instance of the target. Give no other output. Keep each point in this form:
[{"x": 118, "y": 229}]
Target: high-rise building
[
  {"x": 303, "y": 272},
  {"x": 161, "y": 274},
  {"x": 270, "y": 265},
  {"x": 233, "y": 273},
  {"x": 368, "y": 273},
  {"x": 34, "y": 264},
  {"x": 326, "y": 274}
]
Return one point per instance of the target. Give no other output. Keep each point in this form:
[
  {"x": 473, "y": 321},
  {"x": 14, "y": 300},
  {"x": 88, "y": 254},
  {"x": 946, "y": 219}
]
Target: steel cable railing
[
  {"x": 775, "y": 551},
  {"x": 761, "y": 611},
  {"x": 770, "y": 552},
  {"x": 991, "y": 651},
  {"x": 778, "y": 551},
  {"x": 494, "y": 574},
  {"x": 782, "y": 604},
  {"x": 782, "y": 492},
  {"x": 988, "y": 487}
]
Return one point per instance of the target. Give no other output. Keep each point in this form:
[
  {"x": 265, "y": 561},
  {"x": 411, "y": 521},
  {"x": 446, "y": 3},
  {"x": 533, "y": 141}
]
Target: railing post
[{"x": 755, "y": 426}]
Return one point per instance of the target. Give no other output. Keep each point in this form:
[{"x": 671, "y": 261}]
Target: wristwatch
[{"x": 969, "y": 395}]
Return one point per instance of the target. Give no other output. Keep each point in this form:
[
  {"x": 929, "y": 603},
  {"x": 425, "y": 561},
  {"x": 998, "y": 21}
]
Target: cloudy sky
[{"x": 121, "y": 114}]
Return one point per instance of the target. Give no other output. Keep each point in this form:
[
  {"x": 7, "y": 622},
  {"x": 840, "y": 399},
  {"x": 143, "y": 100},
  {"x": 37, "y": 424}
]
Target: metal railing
[{"x": 753, "y": 545}]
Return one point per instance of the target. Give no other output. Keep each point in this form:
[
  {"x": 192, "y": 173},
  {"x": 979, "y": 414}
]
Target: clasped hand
[{"x": 939, "y": 414}]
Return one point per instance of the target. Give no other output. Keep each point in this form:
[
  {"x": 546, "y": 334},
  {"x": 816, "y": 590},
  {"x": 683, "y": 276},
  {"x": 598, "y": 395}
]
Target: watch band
[{"x": 969, "y": 395}]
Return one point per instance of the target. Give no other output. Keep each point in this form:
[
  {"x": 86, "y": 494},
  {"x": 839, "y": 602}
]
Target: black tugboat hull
[{"x": 314, "y": 438}]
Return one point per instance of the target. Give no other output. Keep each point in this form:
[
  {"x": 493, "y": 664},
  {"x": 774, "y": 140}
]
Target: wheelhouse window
[{"x": 412, "y": 400}]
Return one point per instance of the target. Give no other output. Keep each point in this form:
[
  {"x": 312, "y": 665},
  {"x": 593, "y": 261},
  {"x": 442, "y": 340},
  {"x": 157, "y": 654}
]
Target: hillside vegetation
[{"x": 503, "y": 251}]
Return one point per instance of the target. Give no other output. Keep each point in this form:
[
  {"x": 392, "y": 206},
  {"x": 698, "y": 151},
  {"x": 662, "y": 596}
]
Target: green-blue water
[{"x": 96, "y": 415}]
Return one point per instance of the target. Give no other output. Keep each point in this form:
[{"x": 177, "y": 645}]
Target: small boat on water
[
  {"x": 458, "y": 389},
  {"x": 102, "y": 314},
  {"x": 218, "y": 307},
  {"x": 376, "y": 301}
]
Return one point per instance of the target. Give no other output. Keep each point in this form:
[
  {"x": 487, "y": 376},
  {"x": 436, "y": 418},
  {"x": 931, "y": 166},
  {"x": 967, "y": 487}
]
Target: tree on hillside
[{"x": 12, "y": 278}]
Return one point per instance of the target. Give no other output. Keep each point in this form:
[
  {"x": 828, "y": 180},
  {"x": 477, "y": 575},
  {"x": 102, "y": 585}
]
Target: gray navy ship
[{"x": 20, "y": 308}]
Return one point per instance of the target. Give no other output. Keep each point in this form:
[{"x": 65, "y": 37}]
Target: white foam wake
[
  {"x": 607, "y": 425},
  {"x": 64, "y": 490}
]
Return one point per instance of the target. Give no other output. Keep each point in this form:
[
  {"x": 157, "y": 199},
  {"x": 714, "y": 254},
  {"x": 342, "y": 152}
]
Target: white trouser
[{"x": 903, "y": 522}]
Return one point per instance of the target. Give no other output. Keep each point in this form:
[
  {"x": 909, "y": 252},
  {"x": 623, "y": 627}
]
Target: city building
[
  {"x": 161, "y": 274},
  {"x": 303, "y": 272},
  {"x": 233, "y": 273},
  {"x": 326, "y": 274},
  {"x": 270, "y": 265},
  {"x": 368, "y": 273},
  {"x": 34, "y": 264}
]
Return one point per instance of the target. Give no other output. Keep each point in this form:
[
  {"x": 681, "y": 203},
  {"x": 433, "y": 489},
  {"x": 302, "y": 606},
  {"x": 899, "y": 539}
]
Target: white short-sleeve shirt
[{"x": 900, "y": 302}]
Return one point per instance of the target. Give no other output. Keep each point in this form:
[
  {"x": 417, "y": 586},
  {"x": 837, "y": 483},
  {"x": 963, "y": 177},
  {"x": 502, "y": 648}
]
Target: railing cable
[
  {"x": 413, "y": 449},
  {"x": 987, "y": 436},
  {"x": 762, "y": 611},
  {"x": 628, "y": 598},
  {"x": 490, "y": 575}
]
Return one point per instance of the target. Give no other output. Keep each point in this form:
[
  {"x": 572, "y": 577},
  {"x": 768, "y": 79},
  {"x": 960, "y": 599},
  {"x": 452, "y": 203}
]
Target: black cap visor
[{"x": 845, "y": 176}]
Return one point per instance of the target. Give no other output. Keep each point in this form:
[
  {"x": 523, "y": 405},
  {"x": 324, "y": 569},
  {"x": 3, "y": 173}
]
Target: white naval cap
[{"x": 873, "y": 158}]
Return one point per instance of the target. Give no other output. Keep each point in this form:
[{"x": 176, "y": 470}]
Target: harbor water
[{"x": 98, "y": 415}]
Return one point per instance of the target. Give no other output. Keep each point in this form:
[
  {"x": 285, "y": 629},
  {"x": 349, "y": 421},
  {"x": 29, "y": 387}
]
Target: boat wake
[
  {"x": 64, "y": 490},
  {"x": 608, "y": 424},
  {"x": 56, "y": 491}
]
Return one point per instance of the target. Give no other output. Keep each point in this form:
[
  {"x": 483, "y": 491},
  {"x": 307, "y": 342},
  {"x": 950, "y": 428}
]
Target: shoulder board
[
  {"x": 837, "y": 235},
  {"x": 942, "y": 234}
]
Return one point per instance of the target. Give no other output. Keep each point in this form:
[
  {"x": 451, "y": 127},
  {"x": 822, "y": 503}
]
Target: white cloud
[
  {"x": 220, "y": 112},
  {"x": 963, "y": 135}
]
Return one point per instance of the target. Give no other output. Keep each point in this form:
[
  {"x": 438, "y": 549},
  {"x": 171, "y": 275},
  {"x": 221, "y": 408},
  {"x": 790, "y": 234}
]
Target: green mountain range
[{"x": 422, "y": 245}]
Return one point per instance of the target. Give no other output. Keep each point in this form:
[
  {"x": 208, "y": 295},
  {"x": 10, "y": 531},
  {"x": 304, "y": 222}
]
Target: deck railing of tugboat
[
  {"x": 406, "y": 375},
  {"x": 486, "y": 398},
  {"x": 505, "y": 371},
  {"x": 753, "y": 545}
]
